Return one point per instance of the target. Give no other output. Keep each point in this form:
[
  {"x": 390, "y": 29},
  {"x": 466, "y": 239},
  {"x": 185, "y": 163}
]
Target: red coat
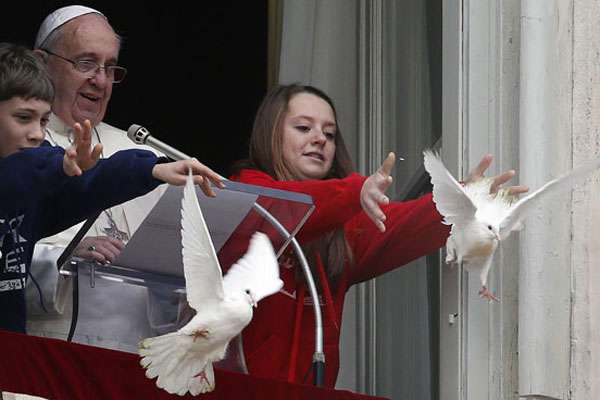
[{"x": 279, "y": 342}]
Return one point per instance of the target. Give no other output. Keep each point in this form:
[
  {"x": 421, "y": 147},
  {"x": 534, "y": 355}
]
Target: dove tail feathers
[
  {"x": 159, "y": 354},
  {"x": 168, "y": 358}
]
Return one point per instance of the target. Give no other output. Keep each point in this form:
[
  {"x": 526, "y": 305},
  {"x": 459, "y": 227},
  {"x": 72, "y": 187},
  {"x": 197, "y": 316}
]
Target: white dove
[
  {"x": 479, "y": 219},
  {"x": 182, "y": 360}
]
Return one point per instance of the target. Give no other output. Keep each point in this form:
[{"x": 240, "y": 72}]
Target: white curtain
[
  {"x": 406, "y": 314},
  {"x": 319, "y": 47}
]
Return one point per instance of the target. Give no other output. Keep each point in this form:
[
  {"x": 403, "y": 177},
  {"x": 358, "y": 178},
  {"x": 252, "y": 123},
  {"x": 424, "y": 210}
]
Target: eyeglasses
[{"x": 114, "y": 73}]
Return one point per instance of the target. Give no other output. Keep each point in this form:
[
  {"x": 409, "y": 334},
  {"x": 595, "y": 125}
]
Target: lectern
[{"x": 153, "y": 258}]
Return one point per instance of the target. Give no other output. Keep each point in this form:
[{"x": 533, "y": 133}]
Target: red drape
[{"x": 59, "y": 370}]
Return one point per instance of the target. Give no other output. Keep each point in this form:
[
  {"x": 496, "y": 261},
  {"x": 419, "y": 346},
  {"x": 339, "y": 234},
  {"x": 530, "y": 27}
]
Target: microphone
[{"x": 140, "y": 135}]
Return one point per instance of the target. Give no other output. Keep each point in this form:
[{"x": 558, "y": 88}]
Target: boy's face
[{"x": 22, "y": 124}]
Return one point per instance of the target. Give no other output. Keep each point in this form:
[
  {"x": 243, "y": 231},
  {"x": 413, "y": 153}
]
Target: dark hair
[
  {"x": 22, "y": 74},
  {"x": 266, "y": 154}
]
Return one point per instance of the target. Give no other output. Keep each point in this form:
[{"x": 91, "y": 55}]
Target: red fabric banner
[{"x": 57, "y": 369}]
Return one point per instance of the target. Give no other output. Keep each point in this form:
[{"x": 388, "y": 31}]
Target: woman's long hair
[{"x": 266, "y": 154}]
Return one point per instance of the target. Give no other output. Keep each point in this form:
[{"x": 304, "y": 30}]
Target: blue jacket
[{"x": 37, "y": 200}]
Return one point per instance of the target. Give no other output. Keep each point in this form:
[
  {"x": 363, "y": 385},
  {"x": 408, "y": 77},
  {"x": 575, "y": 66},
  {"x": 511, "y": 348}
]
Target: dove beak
[
  {"x": 253, "y": 302},
  {"x": 497, "y": 236}
]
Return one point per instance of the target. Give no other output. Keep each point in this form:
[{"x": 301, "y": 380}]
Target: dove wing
[
  {"x": 203, "y": 276},
  {"x": 520, "y": 209},
  {"x": 257, "y": 270},
  {"x": 449, "y": 196}
]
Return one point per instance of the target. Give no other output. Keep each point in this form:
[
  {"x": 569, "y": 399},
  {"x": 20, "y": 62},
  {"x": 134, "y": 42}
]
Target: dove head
[
  {"x": 250, "y": 297},
  {"x": 487, "y": 229}
]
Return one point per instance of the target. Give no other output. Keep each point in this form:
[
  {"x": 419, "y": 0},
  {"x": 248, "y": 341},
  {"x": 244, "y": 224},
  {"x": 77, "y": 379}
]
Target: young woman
[{"x": 354, "y": 234}]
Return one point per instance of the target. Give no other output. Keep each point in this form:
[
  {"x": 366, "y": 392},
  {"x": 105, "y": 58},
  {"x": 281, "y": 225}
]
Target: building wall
[
  {"x": 545, "y": 147},
  {"x": 585, "y": 356},
  {"x": 531, "y": 73}
]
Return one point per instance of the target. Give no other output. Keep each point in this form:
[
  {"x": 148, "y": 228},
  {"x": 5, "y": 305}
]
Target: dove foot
[
  {"x": 203, "y": 377},
  {"x": 452, "y": 262},
  {"x": 206, "y": 383},
  {"x": 204, "y": 334},
  {"x": 484, "y": 292}
]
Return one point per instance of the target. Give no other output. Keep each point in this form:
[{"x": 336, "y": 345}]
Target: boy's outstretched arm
[
  {"x": 80, "y": 156},
  {"x": 175, "y": 173}
]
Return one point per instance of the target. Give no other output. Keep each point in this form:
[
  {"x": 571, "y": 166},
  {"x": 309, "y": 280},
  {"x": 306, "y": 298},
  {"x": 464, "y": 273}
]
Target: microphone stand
[
  {"x": 319, "y": 355},
  {"x": 140, "y": 135}
]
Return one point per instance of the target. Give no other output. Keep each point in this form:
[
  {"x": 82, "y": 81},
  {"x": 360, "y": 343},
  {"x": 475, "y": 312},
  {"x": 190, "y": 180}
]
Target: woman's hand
[
  {"x": 372, "y": 194},
  {"x": 498, "y": 180}
]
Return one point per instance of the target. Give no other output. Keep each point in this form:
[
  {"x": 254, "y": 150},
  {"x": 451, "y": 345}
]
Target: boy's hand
[
  {"x": 176, "y": 173},
  {"x": 80, "y": 156}
]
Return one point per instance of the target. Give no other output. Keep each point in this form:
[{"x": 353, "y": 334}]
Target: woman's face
[{"x": 309, "y": 136}]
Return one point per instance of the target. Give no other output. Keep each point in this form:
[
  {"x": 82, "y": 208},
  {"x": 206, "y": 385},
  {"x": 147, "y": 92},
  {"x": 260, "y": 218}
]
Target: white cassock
[{"x": 111, "y": 315}]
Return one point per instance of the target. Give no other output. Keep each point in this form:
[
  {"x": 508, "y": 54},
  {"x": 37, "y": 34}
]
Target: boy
[{"x": 33, "y": 179}]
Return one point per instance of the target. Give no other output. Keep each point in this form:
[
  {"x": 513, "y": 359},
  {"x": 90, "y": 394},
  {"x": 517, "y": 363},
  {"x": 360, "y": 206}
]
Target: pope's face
[{"x": 80, "y": 96}]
